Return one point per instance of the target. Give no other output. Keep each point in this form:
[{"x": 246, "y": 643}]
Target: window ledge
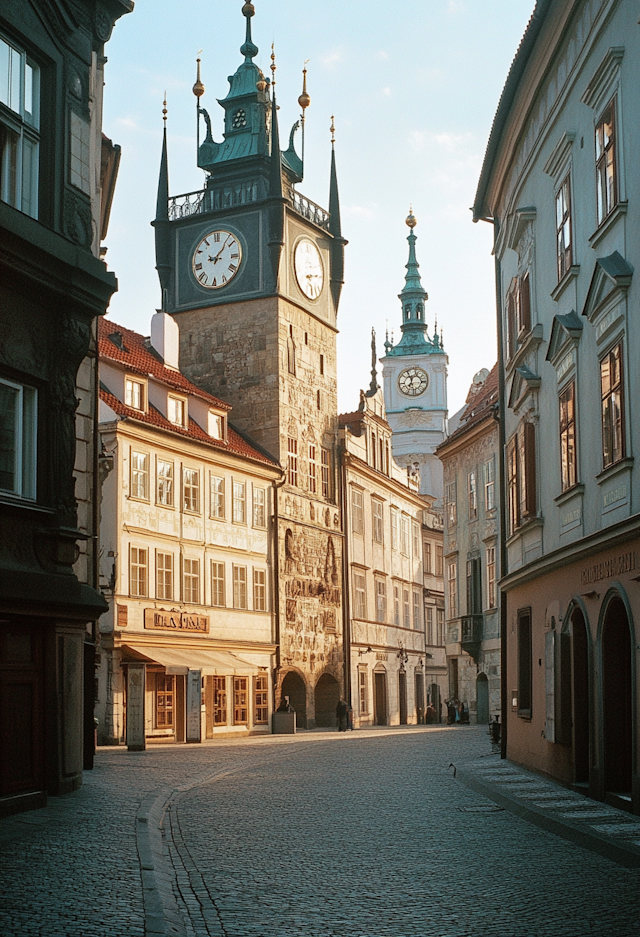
[
  {"x": 568, "y": 278},
  {"x": 569, "y": 493},
  {"x": 529, "y": 524},
  {"x": 624, "y": 465},
  {"x": 608, "y": 223},
  {"x": 529, "y": 344}
]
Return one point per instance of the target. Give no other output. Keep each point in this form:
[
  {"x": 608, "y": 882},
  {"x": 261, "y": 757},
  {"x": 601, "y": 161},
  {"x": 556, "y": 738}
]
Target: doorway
[
  {"x": 22, "y": 751},
  {"x": 402, "y": 697},
  {"x": 580, "y": 697},
  {"x": 293, "y": 686},
  {"x": 380, "y": 697},
  {"x": 436, "y": 702},
  {"x": 327, "y": 698},
  {"x": 419, "y": 698},
  {"x": 616, "y": 698},
  {"x": 482, "y": 699}
]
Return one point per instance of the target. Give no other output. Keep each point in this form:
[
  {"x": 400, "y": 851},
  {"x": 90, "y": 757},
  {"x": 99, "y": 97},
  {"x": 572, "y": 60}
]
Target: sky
[{"x": 413, "y": 85}]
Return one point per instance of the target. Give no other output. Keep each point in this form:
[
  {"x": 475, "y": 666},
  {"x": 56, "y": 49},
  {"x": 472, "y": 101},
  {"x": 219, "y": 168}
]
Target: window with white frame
[
  {"x": 134, "y": 395},
  {"x": 404, "y": 534},
  {"x": 216, "y": 496},
  {"x": 191, "y": 490},
  {"x": 430, "y": 635},
  {"x": 19, "y": 128},
  {"x": 326, "y": 473},
  {"x": 239, "y": 503},
  {"x": 259, "y": 507},
  {"x": 138, "y": 571},
  {"x": 357, "y": 511},
  {"x": 415, "y": 529},
  {"x": 217, "y": 584},
  {"x": 240, "y": 586},
  {"x": 393, "y": 514},
  {"x": 140, "y": 475},
  {"x": 164, "y": 482},
  {"x": 406, "y": 609},
  {"x": 439, "y": 627},
  {"x": 417, "y": 611},
  {"x": 564, "y": 250},
  {"x": 396, "y": 605},
  {"x": 191, "y": 580},
  {"x": 427, "y": 557},
  {"x": 215, "y": 425},
  {"x": 18, "y": 434},
  {"x": 313, "y": 469},
  {"x": 260, "y": 590},
  {"x": 452, "y": 588},
  {"x": 472, "y": 492},
  {"x": 381, "y": 600},
  {"x": 439, "y": 559},
  {"x": 451, "y": 510},
  {"x": 606, "y": 159},
  {"x": 489, "y": 485},
  {"x": 377, "y": 520},
  {"x": 176, "y": 410},
  {"x": 292, "y": 460},
  {"x": 362, "y": 691},
  {"x": 360, "y": 595},
  {"x": 164, "y": 575},
  {"x": 261, "y": 699},
  {"x": 491, "y": 577}
]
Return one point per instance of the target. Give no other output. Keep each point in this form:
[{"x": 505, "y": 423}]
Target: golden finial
[
  {"x": 261, "y": 84},
  {"x": 198, "y": 88},
  {"x": 248, "y": 10},
  {"x": 273, "y": 65},
  {"x": 164, "y": 109},
  {"x": 332, "y": 130},
  {"x": 411, "y": 219},
  {"x": 304, "y": 100}
]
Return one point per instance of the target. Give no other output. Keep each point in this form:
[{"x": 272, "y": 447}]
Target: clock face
[
  {"x": 309, "y": 269},
  {"x": 413, "y": 381},
  {"x": 217, "y": 259}
]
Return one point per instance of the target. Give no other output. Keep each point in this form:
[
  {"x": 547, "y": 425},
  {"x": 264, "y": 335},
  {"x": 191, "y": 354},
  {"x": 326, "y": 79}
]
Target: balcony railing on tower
[{"x": 232, "y": 194}]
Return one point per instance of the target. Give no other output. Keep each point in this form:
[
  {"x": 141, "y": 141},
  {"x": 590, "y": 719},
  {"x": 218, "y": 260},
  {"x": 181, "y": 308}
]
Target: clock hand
[{"x": 221, "y": 249}]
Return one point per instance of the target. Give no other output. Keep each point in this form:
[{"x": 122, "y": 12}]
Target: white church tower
[{"x": 414, "y": 374}]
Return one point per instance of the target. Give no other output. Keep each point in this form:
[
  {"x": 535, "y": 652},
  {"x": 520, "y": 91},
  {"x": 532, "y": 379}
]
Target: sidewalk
[{"x": 589, "y": 823}]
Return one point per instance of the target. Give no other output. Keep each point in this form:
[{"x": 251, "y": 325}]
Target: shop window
[
  {"x": 261, "y": 700},
  {"x": 363, "y": 691},
  {"x": 525, "y": 662},
  {"x": 165, "y": 698},
  {"x": 219, "y": 701},
  {"x": 240, "y": 701}
]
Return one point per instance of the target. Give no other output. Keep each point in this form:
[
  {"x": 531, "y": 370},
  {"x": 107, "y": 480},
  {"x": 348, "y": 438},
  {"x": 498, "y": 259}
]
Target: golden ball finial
[
  {"x": 411, "y": 219},
  {"x": 248, "y": 9},
  {"x": 332, "y": 130},
  {"x": 164, "y": 109},
  {"x": 304, "y": 100},
  {"x": 198, "y": 88},
  {"x": 261, "y": 84}
]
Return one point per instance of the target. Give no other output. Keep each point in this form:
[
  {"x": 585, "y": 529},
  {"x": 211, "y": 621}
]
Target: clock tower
[
  {"x": 415, "y": 383},
  {"x": 252, "y": 270}
]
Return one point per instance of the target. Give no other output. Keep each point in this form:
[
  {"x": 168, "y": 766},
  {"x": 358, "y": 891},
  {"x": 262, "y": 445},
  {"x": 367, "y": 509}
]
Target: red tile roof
[
  {"x": 140, "y": 359},
  {"x": 479, "y": 407}
]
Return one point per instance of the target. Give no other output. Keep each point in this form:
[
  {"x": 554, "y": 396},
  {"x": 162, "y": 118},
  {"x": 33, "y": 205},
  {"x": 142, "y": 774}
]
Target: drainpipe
[
  {"x": 277, "y": 484},
  {"x": 346, "y": 607}
]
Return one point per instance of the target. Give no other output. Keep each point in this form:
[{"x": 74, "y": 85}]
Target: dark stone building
[{"x": 52, "y": 286}]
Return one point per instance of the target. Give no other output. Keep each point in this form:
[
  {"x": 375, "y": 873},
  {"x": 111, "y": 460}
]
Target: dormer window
[
  {"x": 134, "y": 394},
  {"x": 215, "y": 425},
  {"x": 176, "y": 410}
]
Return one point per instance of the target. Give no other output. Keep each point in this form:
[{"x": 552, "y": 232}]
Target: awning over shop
[{"x": 180, "y": 660}]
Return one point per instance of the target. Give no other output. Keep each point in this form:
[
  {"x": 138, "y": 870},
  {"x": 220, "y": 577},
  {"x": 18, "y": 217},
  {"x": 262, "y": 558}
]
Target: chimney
[{"x": 165, "y": 338}]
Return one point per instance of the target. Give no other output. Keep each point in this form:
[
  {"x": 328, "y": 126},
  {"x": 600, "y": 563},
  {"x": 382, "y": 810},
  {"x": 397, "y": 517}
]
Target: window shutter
[
  {"x": 525, "y": 303},
  {"x": 529, "y": 480}
]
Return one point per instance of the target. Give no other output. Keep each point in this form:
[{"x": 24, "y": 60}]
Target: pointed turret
[
  {"x": 373, "y": 386},
  {"x": 276, "y": 209},
  {"x": 335, "y": 227},
  {"x": 161, "y": 223}
]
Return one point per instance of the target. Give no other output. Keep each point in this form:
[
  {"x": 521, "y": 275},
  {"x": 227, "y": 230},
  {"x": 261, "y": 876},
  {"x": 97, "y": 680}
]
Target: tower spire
[
  {"x": 373, "y": 386},
  {"x": 276, "y": 208},
  {"x": 161, "y": 223},
  {"x": 335, "y": 226},
  {"x": 249, "y": 49}
]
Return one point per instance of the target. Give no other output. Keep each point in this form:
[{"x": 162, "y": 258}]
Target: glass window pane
[
  {"x": 4, "y": 72},
  {"x": 9, "y": 146},
  {"x": 15, "y": 68},
  {"x": 28, "y": 89},
  {"x": 9, "y": 430}
]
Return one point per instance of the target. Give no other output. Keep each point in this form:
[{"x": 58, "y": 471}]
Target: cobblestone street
[{"x": 367, "y": 834}]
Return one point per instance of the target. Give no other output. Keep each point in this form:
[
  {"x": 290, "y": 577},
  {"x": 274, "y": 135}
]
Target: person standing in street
[{"x": 341, "y": 715}]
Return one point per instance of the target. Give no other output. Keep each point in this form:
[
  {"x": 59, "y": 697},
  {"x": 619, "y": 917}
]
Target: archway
[
  {"x": 580, "y": 697},
  {"x": 327, "y": 697},
  {"x": 380, "y": 697},
  {"x": 616, "y": 698},
  {"x": 482, "y": 699},
  {"x": 293, "y": 686}
]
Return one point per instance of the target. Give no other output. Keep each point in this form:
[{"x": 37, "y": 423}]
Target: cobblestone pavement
[{"x": 364, "y": 834}]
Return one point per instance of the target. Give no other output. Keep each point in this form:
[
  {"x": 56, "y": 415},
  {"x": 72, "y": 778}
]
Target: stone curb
[
  {"x": 580, "y": 833},
  {"x": 159, "y": 902}
]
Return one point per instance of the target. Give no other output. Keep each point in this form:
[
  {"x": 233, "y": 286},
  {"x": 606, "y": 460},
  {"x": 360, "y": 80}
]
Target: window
[
  {"x": 215, "y": 425},
  {"x": 612, "y": 407},
  {"x": 191, "y": 581},
  {"x": 396, "y": 605},
  {"x": 239, "y": 503},
  {"x": 429, "y": 610},
  {"x": 259, "y": 507},
  {"x": 326, "y": 485},
  {"x": 240, "y": 701},
  {"x": 491, "y": 577},
  {"x": 318, "y": 400},
  {"x": 512, "y": 486},
  {"x": 404, "y": 534},
  {"x": 18, "y": 428},
  {"x": 79, "y": 149},
  {"x": 138, "y": 572},
  {"x": 240, "y": 587},
  {"x": 524, "y": 663},
  {"x": 394, "y": 528},
  {"x": 440, "y": 626},
  {"x": 313, "y": 469},
  {"x": 377, "y": 520},
  {"x": 472, "y": 491},
  {"x": 451, "y": 510},
  {"x": 606, "y": 175},
  {"x": 321, "y": 364},
  {"x": 19, "y": 138},
  {"x": 439, "y": 560},
  {"x": 219, "y": 701},
  {"x": 568, "y": 453},
  {"x": 216, "y": 496},
  {"x": 489, "y": 485},
  {"x": 360, "y": 594},
  {"x": 260, "y": 590},
  {"x": 374, "y": 450},
  {"x": 176, "y": 411},
  {"x": 217, "y": 584},
  {"x": 140, "y": 475},
  {"x": 191, "y": 490},
  {"x": 134, "y": 394},
  {"x": 426, "y": 557},
  {"x": 261, "y": 700},
  {"x": 381, "y": 600},
  {"x": 291, "y": 353},
  {"x": 563, "y": 228},
  {"x": 512, "y": 332},
  {"x": 165, "y": 694},
  {"x": 452, "y": 588},
  {"x": 292, "y": 461},
  {"x": 362, "y": 691},
  {"x": 523, "y": 304},
  {"x": 521, "y": 476},
  {"x": 416, "y": 540},
  {"x": 164, "y": 575},
  {"x": 357, "y": 511},
  {"x": 417, "y": 615},
  {"x": 474, "y": 588},
  {"x": 406, "y": 609},
  {"x": 164, "y": 482}
]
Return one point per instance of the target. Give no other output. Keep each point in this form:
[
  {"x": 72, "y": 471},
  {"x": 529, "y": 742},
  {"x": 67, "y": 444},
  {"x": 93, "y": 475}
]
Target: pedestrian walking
[{"x": 341, "y": 715}]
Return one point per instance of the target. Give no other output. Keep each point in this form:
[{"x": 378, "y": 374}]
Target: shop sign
[
  {"x": 175, "y": 621},
  {"x": 616, "y": 566}
]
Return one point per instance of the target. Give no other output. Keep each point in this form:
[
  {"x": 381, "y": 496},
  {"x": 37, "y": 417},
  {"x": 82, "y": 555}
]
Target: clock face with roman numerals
[{"x": 217, "y": 259}]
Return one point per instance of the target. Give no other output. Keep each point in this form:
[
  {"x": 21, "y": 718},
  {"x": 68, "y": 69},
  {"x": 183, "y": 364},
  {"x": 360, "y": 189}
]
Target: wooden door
[
  {"x": 22, "y": 707},
  {"x": 380, "y": 688}
]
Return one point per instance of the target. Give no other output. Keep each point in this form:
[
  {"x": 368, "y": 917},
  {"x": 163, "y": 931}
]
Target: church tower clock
[
  {"x": 252, "y": 272},
  {"x": 415, "y": 383}
]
